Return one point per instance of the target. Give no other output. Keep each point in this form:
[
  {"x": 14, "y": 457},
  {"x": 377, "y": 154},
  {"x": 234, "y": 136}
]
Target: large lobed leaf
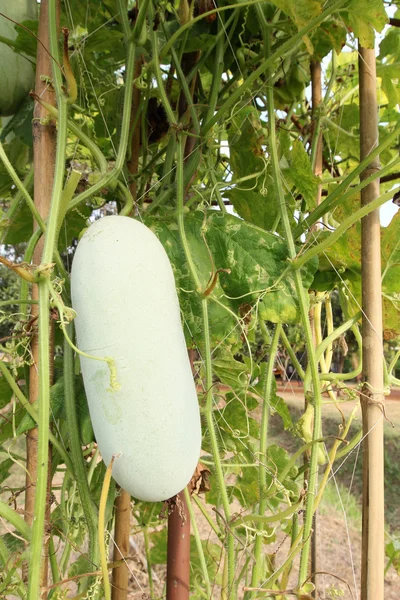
[{"x": 256, "y": 260}]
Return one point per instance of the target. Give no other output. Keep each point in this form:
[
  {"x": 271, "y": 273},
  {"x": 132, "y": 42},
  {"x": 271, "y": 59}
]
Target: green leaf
[
  {"x": 301, "y": 11},
  {"x": 390, "y": 251},
  {"x": 258, "y": 208},
  {"x": 5, "y": 392},
  {"x": 21, "y": 227},
  {"x": 234, "y": 419},
  {"x": 5, "y": 466},
  {"x": 277, "y": 460},
  {"x": 20, "y": 124},
  {"x": 212, "y": 554},
  {"x": 392, "y": 551},
  {"x": 158, "y": 552},
  {"x": 25, "y": 43},
  {"x": 230, "y": 371},
  {"x": 390, "y": 45},
  {"x": 13, "y": 543},
  {"x": 330, "y": 35},
  {"x": 278, "y": 405},
  {"x": 300, "y": 174},
  {"x": 56, "y": 404},
  {"x": 246, "y": 136},
  {"x": 255, "y": 258},
  {"x": 364, "y": 18}
]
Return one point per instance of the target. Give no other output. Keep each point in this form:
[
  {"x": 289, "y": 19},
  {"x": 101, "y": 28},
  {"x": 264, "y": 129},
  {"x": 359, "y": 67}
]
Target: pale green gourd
[
  {"x": 124, "y": 294},
  {"x": 17, "y": 76}
]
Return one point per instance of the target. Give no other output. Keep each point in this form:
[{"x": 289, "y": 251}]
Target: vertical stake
[
  {"x": 178, "y": 552},
  {"x": 316, "y": 99},
  {"x": 44, "y": 150},
  {"x": 120, "y": 575},
  {"x": 372, "y": 567}
]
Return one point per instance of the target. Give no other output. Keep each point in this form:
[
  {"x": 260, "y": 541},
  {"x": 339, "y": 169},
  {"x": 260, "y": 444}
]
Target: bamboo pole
[
  {"x": 120, "y": 575},
  {"x": 317, "y": 159},
  {"x": 372, "y": 568},
  {"x": 44, "y": 148}
]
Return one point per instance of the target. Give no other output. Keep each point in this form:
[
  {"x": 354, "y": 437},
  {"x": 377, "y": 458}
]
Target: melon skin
[
  {"x": 124, "y": 294},
  {"x": 17, "y": 75}
]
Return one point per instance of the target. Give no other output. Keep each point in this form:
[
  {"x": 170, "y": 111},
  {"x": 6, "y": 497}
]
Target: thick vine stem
[
  {"x": 85, "y": 139},
  {"x": 7, "y": 513},
  {"x": 199, "y": 545},
  {"x": 343, "y": 227},
  {"x": 209, "y": 372},
  {"x": 79, "y": 469},
  {"x": 21, "y": 187},
  {"x": 303, "y": 307},
  {"x": 31, "y": 410},
  {"x": 44, "y": 369},
  {"x": 262, "y": 472},
  {"x": 43, "y": 447},
  {"x": 110, "y": 177},
  {"x": 269, "y": 61},
  {"x": 338, "y": 194},
  {"x": 16, "y": 203}
]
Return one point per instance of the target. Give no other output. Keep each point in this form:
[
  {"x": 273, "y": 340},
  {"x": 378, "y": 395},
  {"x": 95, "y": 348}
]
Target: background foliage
[{"x": 231, "y": 91}]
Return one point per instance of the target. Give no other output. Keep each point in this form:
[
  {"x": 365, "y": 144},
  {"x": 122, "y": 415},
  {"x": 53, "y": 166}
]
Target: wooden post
[
  {"x": 178, "y": 545},
  {"x": 316, "y": 99},
  {"x": 373, "y": 549},
  {"x": 120, "y": 575},
  {"x": 178, "y": 553},
  {"x": 44, "y": 149}
]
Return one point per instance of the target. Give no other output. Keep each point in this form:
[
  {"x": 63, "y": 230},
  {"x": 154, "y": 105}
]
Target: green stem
[
  {"x": 199, "y": 545},
  {"x": 206, "y": 515},
  {"x": 186, "y": 92},
  {"x": 31, "y": 410},
  {"x": 44, "y": 325},
  {"x": 9, "y": 514},
  {"x": 21, "y": 187},
  {"x": 128, "y": 199},
  {"x": 123, "y": 14},
  {"x": 338, "y": 193},
  {"x": 53, "y": 564},
  {"x": 287, "y": 46},
  {"x": 330, "y": 331},
  {"x": 140, "y": 21},
  {"x": 37, "y": 540},
  {"x": 180, "y": 199},
  {"x": 218, "y": 69},
  {"x": 85, "y": 139},
  {"x": 214, "y": 444},
  {"x": 17, "y": 301},
  {"x": 148, "y": 560},
  {"x": 393, "y": 362},
  {"x": 332, "y": 77},
  {"x": 208, "y": 361},
  {"x": 303, "y": 306},
  {"x": 157, "y": 74},
  {"x": 352, "y": 444},
  {"x": 328, "y": 341},
  {"x": 79, "y": 469},
  {"x": 109, "y": 177},
  {"x": 352, "y": 374},
  {"x": 292, "y": 355},
  {"x": 4, "y": 553},
  {"x": 263, "y": 519},
  {"x": 17, "y": 203},
  {"x": 347, "y": 223},
  {"x": 259, "y": 556}
]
